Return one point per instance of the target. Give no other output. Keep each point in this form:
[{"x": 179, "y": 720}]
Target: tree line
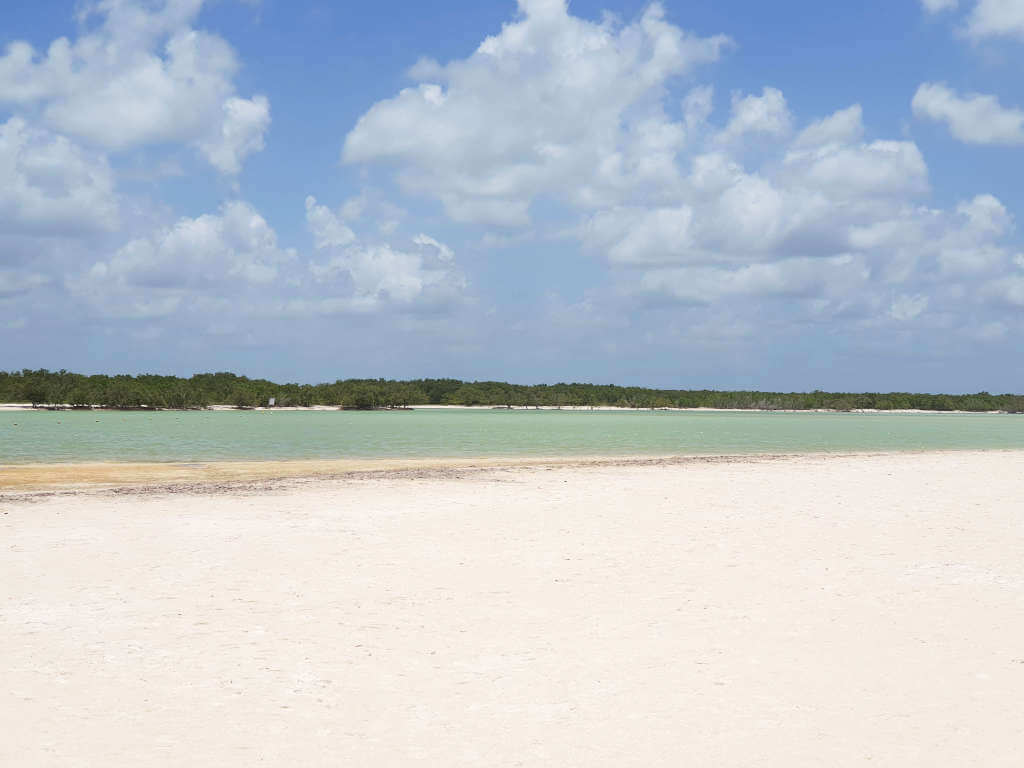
[{"x": 46, "y": 388}]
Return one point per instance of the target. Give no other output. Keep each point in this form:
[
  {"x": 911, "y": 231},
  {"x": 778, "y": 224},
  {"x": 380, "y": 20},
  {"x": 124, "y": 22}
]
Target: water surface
[{"x": 67, "y": 436}]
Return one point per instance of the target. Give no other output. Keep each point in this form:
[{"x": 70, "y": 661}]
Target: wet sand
[
  {"x": 792, "y": 611},
  {"x": 220, "y": 476}
]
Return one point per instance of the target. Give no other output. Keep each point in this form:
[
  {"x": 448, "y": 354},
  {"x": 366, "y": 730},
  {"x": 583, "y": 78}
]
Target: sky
[{"x": 733, "y": 194}]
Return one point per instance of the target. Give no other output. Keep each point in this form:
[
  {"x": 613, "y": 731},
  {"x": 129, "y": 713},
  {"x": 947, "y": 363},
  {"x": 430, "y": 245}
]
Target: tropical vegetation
[{"x": 46, "y": 388}]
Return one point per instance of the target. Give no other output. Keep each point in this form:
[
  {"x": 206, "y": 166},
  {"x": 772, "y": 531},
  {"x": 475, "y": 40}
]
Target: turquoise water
[{"x": 64, "y": 436}]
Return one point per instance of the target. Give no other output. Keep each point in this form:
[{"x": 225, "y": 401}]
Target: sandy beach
[
  {"x": 783, "y": 611},
  {"x": 29, "y": 408}
]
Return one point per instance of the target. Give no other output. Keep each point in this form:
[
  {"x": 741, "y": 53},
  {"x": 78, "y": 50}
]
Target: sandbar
[{"x": 778, "y": 611}]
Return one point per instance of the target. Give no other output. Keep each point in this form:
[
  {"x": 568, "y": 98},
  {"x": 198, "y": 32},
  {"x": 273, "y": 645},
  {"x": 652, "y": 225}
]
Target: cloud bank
[
  {"x": 701, "y": 217},
  {"x": 557, "y": 110}
]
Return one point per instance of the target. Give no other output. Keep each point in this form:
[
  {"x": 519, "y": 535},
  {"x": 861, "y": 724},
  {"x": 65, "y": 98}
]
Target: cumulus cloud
[
  {"x": 241, "y": 133},
  {"x": 534, "y": 111},
  {"x": 795, "y": 278},
  {"x": 970, "y": 245},
  {"x": 816, "y": 216},
  {"x": 986, "y": 18},
  {"x": 141, "y": 76},
  {"x": 842, "y": 127},
  {"x": 381, "y": 275},
  {"x": 328, "y": 229},
  {"x": 985, "y": 214},
  {"x": 806, "y": 199},
  {"x": 236, "y": 243},
  {"x": 1008, "y": 289},
  {"x": 996, "y": 18},
  {"x": 936, "y": 6},
  {"x": 49, "y": 185},
  {"x": 364, "y": 276},
  {"x": 228, "y": 265},
  {"x": 555, "y": 127},
  {"x": 444, "y": 253},
  {"x": 766, "y": 114},
  {"x": 858, "y": 170},
  {"x": 215, "y": 254},
  {"x": 974, "y": 118}
]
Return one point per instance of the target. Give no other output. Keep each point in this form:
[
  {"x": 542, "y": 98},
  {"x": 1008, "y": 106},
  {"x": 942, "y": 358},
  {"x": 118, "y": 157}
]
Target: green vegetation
[{"x": 49, "y": 388}]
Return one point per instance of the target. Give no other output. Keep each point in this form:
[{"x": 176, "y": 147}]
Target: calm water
[{"x": 209, "y": 435}]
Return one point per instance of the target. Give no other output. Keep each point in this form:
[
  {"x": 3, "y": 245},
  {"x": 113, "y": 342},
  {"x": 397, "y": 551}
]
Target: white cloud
[
  {"x": 936, "y": 6},
  {"x": 974, "y": 118},
  {"x": 444, "y": 253},
  {"x": 858, "y": 170},
  {"x": 372, "y": 276},
  {"x": 636, "y": 235},
  {"x": 987, "y": 215},
  {"x": 816, "y": 217},
  {"x": 842, "y": 127},
  {"x": 905, "y": 307},
  {"x": 728, "y": 217},
  {"x": 497, "y": 130},
  {"x": 50, "y": 186},
  {"x": 697, "y": 108},
  {"x": 216, "y": 254},
  {"x": 846, "y": 205},
  {"x": 766, "y": 114},
  {"x": 996, "y": 18},
  {"x": 971, "y": 245},
  {"x": 228, "y": 265},
  {"x": 811, "y": 199},
  {"x": 241, "y": 133},
  {"x": 16, "y": 282},
  {"x": 328, "y": 230},
  {"x": 1008, "y": 290},
  {"x": 794, "y": 278},
  {"x": 236, "y": 243},
  {"x": 380, "y": 275},
  {"x": 354, "y": 207},
  {"x": 142, "y": 76}
]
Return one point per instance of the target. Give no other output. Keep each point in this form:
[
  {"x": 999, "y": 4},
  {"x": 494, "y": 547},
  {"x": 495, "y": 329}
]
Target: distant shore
[
  {"x": 30, "y": 407},
  {"x": 151, "y": 391}
]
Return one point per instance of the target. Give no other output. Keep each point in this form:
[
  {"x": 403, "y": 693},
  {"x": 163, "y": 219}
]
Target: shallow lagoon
[{"x": 66, "y": 436}]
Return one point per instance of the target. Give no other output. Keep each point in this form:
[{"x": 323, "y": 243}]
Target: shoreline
[
  {"x": 34, "y": 478},
  {"x": 28, "y": 407}
]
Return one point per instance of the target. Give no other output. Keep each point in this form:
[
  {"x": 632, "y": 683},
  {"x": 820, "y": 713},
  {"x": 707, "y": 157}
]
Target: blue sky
[{"x": 791, "y": 195}]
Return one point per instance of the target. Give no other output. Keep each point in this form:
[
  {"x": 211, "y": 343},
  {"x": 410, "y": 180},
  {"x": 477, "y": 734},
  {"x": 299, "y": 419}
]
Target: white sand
[
  {"x": 798, "y": 612},
  {"x": 423, "y": 407}
]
